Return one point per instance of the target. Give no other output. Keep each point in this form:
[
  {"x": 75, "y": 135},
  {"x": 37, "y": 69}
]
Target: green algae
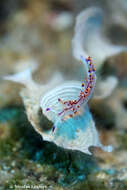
[
  {"x": 25, "y": 144},
  {"x": 27, "y": 159},
  {"x": 122, "y": 139}
]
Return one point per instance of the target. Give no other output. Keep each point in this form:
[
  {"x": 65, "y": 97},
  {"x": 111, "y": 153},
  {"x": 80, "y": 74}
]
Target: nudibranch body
[{"x": 66, "y": 106}]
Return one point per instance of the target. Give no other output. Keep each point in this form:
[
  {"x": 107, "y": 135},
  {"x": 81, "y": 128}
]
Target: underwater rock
[
  {"x": 61, "y": 21},
  {"x": 118, "y": 12},
  {"x": 116, "y": 65},
  {"x": 105, "y": 87},
  {"x": 118, "y": 102},
  {"x": 103, "y": 114}
]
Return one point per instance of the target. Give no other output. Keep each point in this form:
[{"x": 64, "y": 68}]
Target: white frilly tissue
[{"x": 66, "y": 105}]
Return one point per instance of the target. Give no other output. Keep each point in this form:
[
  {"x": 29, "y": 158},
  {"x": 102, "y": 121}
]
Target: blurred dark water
[{"x": 7, "y": 9}]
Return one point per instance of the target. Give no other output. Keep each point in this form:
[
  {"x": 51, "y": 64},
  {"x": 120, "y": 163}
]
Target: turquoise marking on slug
[{"x": 68, "y": 127}]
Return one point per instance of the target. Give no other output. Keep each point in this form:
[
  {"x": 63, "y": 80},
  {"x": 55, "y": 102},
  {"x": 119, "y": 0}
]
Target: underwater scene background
[{"x": 41, "y": 44}]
